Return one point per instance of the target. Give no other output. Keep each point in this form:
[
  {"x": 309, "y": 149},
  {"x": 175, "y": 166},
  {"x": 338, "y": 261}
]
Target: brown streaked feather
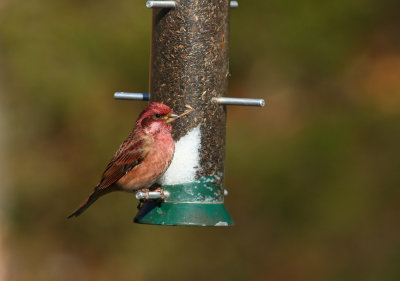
[{"x": 126, "y": 158}]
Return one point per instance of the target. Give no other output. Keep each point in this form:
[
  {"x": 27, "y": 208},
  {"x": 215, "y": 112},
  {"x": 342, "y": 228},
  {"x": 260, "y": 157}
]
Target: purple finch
[{"x": 141, "y": 159}]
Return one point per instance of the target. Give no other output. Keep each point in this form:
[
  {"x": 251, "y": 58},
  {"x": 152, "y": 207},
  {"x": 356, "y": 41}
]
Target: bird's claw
[
  {"x": 141, "y": 201},
  {"x": 146, "y": 194},
  {"x": 159, "y": 189}
]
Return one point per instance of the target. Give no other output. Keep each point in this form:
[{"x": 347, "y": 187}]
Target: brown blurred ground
[{"x": 313, "y": 178}]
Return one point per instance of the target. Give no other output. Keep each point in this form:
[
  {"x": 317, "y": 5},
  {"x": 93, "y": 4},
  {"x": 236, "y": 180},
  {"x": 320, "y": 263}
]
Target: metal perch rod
[
  {"x": 154, "y": 195},
  {"x": 131, "y": 96},
  {"x": 234, "y": 4},
  {"x": 239, "y": 101},
  {"x": 160, "y": 4},
  {"x": 172, "y": 4},
  {"x": 220, "y": 100},
  {"x": 151, "y": 195}
]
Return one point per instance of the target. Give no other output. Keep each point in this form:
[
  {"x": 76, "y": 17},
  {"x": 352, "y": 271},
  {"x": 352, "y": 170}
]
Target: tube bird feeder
[{"x": 189, "y": 67}]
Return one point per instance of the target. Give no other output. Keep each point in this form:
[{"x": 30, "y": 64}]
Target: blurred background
[{"x": 313, "y": 178}]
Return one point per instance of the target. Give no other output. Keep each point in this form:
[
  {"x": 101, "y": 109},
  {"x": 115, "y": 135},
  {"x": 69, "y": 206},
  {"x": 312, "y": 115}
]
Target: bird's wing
[{"x": 127, "y": 157}]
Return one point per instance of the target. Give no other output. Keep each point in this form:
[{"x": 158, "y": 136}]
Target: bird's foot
[
  {"x": 146, "y": 191},
  {"x": 141, "y": 201},
  {"x": 159, "y": 189},
  {"x": 147, "y": 194}
]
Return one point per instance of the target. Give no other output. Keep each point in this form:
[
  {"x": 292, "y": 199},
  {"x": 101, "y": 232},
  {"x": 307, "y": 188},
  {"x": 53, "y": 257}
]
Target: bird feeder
[{"x": 190, "y": 68}]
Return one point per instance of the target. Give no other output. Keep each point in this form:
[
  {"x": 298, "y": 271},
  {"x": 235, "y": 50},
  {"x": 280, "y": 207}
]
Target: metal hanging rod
[
  {"x": 172, "y": 4},
  {"x": 221, "y": 100}
]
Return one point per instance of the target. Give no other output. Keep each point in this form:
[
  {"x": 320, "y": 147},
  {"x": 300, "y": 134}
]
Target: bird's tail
[{"x": 89, "y": 201}]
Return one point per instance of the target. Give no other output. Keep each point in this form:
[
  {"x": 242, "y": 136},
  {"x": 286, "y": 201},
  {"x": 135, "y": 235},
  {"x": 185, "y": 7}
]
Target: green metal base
[
  {"x": 196, "y": 203},
  {"x": 213, "y": 214}
]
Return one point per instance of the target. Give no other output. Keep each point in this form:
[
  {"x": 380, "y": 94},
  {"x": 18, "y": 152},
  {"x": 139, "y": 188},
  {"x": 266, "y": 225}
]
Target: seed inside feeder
[{"x": 187, "y": 111}]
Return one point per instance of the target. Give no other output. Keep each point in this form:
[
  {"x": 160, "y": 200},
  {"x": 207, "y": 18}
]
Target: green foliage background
[{"x": 313, "y": 178}]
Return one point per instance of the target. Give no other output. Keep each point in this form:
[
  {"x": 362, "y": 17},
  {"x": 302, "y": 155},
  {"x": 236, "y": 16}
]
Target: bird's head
[{"x": 156, "y": 116}]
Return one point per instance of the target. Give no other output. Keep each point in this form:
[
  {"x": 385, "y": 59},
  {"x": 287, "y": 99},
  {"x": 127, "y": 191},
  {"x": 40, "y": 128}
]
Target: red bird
[{"x": 142, "y": 158}]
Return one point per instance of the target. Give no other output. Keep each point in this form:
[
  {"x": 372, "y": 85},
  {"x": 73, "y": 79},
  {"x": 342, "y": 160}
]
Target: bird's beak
[{"x": 171, "y": 117}]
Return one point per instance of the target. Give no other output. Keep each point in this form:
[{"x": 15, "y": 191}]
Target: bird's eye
[{"x": 158, "y": 115}]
